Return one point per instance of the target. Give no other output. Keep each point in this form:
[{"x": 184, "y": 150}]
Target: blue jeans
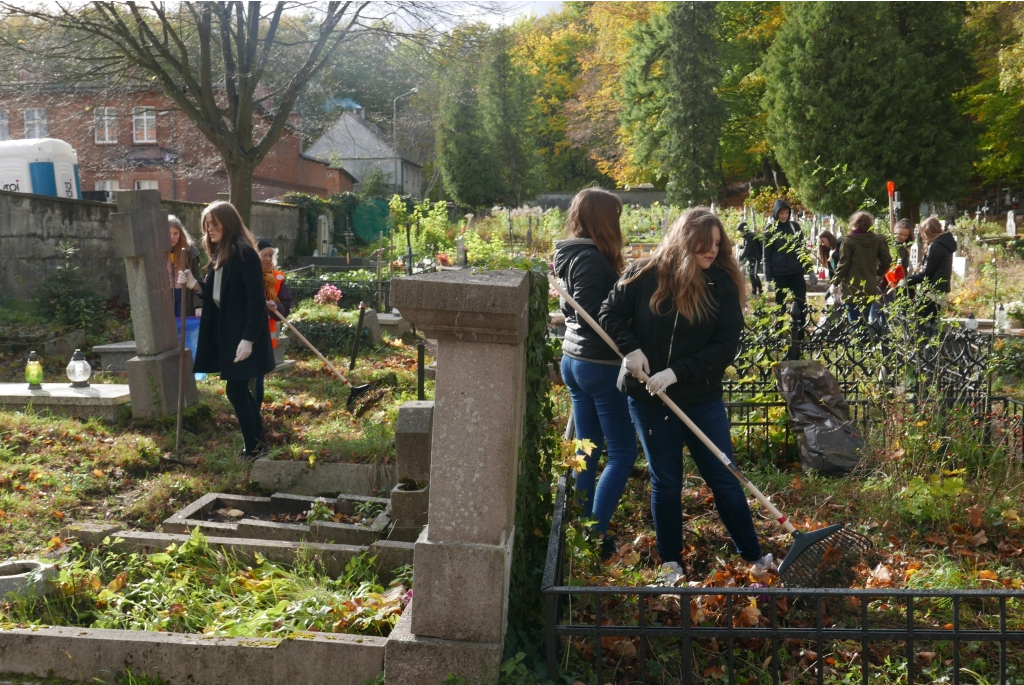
[
  {"x": 601, "y": 414},
  {"x": 663, "y": 435}
]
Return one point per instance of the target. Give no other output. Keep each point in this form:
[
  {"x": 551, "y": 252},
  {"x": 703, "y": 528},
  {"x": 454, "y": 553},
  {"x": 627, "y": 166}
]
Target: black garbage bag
[{"x": 827, "y": 439}]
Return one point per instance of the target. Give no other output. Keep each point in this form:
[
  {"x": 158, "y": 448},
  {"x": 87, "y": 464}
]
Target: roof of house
[{"x": 352, "y": 137}]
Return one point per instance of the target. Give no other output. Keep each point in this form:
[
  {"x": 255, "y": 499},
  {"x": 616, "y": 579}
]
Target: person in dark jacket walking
[
  {"x": 938, "y": 267},
  {"x": 785, "y": 267},
  {"x": 589, "y": 264},
  {"x": 678, "y": 316},
  {"x": 751, "y": 254},
  {"x": 234, "y": 338},
  {"x": 863, "y": 258}
]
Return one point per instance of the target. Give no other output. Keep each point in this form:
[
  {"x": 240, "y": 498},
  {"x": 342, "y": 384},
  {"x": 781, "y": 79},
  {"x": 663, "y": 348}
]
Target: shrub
[{"x": 66, "y": 297}]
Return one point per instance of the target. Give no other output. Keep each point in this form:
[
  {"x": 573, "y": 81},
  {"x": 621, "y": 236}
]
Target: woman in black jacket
[
  {"x": 589, "y": 263},
  {"x": 678, "y": 316},
  {"x": 938, "y": 266},
  {"x": 234, "y": 338}
]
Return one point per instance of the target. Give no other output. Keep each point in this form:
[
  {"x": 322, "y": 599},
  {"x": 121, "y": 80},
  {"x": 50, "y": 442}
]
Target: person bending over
[{"x": 678, "y": 317}]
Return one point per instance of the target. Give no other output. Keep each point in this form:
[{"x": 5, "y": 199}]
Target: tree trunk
[{"x": 240, "y": 188}]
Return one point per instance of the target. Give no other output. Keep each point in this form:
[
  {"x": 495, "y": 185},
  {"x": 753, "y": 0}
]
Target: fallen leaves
[
  {"x": 979, "y": 539},
  {"x": 974, "y": 516}
]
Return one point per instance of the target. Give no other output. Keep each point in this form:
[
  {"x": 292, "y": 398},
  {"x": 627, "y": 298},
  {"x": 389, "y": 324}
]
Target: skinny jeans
[
  {"x": 663, "y": 435},
  {"x": 248, "y": 412},
  {"x": 601, "y": 415}
]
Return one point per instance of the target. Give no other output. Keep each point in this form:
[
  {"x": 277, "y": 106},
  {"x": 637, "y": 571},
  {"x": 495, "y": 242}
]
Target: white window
[
  {"x": 108, "y": 185},
  {"x": 146, "y": 185},
  {"x": 144, "y": 124},
  {"x": 35, "y": 123},
  {"x": 105, "y": 123},
  {"x": 5, "y": 131}
]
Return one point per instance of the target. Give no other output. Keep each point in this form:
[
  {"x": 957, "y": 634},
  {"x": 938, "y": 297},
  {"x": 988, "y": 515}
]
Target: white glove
[
  {"x": 243, "y": 351},
  {"x": 186, "y": 279},
  {"x": 661, "y": 380},
  {"x": 635, "y": 362}
]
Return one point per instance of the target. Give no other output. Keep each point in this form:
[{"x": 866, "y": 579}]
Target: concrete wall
[
  {"x": 31, "y": 226},
  {"x": 643, "y": 198}
]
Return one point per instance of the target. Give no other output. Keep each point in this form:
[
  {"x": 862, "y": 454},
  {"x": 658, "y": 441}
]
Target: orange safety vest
[{"x": 279, "y": 277}]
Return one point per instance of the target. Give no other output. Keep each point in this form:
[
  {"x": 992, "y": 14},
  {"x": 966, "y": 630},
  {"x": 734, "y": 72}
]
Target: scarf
[{"x": 270, "y": 285}]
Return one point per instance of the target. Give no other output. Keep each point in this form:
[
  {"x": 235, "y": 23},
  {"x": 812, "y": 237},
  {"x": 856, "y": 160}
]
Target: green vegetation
[{"x": 192, "y": 588}]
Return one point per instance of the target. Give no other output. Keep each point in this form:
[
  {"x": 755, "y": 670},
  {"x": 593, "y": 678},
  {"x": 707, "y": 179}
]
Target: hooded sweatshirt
[
  {"x": 589, "y": 277},
  {"x": 938, "y": 263},
  {"x": 863, "y": 257},
  {"x": 783, "y": 243}
]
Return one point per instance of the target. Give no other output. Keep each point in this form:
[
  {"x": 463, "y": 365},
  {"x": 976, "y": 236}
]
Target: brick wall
[{"x": 180, "y": 160}]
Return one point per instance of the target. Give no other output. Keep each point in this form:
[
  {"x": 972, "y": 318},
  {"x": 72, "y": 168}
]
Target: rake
[
  {"x": 354, "y": 391},
  {"x": 817, "y": 557}
]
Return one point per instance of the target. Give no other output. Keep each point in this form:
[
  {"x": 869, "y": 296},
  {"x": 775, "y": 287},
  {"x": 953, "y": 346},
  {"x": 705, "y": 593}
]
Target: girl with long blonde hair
[{"x": 678, "y": 317}]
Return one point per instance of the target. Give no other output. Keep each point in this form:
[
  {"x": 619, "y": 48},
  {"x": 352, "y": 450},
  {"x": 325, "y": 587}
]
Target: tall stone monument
[
  {"x": 142, "y": 238},
  {"x": 456, "y": 623}
]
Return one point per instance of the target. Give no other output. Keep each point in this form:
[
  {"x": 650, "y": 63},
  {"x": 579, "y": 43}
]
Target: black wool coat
[
  {"x": 698, "y": 352},
  {"x": 242, "y": 315}
]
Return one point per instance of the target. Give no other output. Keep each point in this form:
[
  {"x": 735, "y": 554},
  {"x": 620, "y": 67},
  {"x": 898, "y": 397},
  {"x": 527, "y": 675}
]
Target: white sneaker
[
  {"x": 671, "y": 573},
  {"x": 764, "y": 563}
]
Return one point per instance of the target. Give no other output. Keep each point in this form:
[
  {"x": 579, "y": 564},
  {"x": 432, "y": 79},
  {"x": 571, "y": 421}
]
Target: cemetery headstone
[
  {"x": 1011, "y": 224},
  {"x": 142, "y": 239},
  {"x": 460, "y": 251}
]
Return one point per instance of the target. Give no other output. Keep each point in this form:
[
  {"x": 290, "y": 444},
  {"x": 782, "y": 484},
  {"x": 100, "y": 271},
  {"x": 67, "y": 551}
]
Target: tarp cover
[{"x": 827, "y": 440}]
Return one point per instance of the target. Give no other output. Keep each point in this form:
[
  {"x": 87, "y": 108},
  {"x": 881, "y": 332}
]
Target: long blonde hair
[{"x": 680, "y": 278}]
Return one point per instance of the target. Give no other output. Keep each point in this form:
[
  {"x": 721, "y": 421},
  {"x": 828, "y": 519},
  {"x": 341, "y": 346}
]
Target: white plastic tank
[{"x": 42, "y": 166}]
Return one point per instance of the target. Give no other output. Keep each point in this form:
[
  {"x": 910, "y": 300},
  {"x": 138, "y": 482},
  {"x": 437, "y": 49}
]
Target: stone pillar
[
  {"x": 141, "y": 237},
  {"x": 462, "y": 560},
  {"x": 410, "y": 497}
]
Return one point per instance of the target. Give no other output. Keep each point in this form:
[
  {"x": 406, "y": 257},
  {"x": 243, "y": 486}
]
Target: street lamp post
[{"x": 394, "y": 133}]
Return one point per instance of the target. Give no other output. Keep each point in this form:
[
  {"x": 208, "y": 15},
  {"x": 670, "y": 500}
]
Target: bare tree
[{"x": 235, "y": 69}]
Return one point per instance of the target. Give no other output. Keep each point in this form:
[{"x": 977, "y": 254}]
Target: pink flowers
[{"x": 328, "y": 294}]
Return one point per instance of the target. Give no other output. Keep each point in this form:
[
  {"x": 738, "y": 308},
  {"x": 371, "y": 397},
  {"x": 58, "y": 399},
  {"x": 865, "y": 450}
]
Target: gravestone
[
  {"x": 142, "y": 239},
  {"x": 1011, "y": 224},
  {"x": 462, "y": 560},
  {"x": 460, "y": 251},
  {"x": 960, "y": 266}
]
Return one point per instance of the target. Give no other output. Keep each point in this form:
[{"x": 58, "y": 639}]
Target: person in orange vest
[{"x": 278, "y": 298}]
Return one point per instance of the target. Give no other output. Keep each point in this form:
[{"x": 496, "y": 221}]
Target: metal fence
[{"x": 692, "y": 634}]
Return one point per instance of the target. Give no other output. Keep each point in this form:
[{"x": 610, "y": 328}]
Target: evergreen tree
[
  {"x": 643, "y": 97},
  {"x": 694, "y": 113},
  {"x": 871, "y": 86},
  {"x": 507, "y": 106}
]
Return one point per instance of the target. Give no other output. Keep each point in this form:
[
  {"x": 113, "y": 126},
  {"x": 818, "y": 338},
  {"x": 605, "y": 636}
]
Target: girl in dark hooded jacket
[
  {"x": 589, "y": 264},
  {"x": 784, "y": 267},
  {"x": 938, "y": 265}
]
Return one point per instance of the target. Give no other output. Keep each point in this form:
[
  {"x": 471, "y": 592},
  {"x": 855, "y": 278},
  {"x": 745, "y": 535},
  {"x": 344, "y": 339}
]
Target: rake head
[
  {"x": 356, "y": 392},
  {"x": 823, "y": 558}
]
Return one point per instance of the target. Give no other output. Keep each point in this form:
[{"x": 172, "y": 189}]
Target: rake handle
[
  {"x": 310, "y": 346},
  {"x": 758, "y": 495}
]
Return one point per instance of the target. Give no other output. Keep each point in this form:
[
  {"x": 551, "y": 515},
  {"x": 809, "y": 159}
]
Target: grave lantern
[
  {"x": 34, "y": 372},
  {"x": 79, "y": 370},
  {"x": 971, "y": 323}
]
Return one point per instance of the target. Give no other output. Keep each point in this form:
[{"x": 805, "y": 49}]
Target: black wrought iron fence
[
  {"x": 759, "y": 634},
  {"x": 352, "y": 292}
]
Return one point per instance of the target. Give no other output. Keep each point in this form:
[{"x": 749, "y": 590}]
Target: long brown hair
[
  {"x": 931, "y": 228},
  {"x": 233, "y": 233},
  {"x": 184, "y": 240},
  {"x": 825, "y": 251},
  {"x": 680, "y": 278},
  {"x": 594, "y": 214}
]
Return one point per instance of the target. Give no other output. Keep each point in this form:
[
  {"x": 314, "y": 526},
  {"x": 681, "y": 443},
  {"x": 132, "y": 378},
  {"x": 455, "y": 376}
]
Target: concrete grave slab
[
  {"x": 326, "y": 478},
  {"x": 84, "y": 654},
  {"x": 105, "y": 401}
]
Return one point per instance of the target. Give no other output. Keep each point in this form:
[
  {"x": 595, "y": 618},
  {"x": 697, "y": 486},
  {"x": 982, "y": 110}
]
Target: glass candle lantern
[
  {"x": 79, "y": 370},
  {"x": 1001, "y": 320},
  {"x": 34, "y": 372},
  {"x": 971, "y": 323}
]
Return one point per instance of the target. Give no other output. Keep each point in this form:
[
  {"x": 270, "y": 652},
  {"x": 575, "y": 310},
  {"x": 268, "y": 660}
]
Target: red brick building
[{"x": 141, "y": 141}]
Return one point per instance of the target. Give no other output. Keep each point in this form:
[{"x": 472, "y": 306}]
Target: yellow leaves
[
  {"x": 921, "y": 424},
  {"x": 936, "y": 445},
  {"x": 748, "y": 617},
  {"x": 54, "y": 542},
  {"x": 572, "y": 459},
  {"x": 97, "y": 473},
  {"x": 631, "y": 559},
  {"x": 117, "y": 583},
  {"x": 1011, "y": 515},
  {"x": 988, "y": 575},
  {"x": 33, "y": 476},
  {"x": 1016, "y": 583}
]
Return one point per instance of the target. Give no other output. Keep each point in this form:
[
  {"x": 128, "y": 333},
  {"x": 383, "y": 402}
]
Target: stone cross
[
  {"x": 460, "y": 251},
  {"x": 142, "y": 238},
  {"x": 462, "y": 559}
]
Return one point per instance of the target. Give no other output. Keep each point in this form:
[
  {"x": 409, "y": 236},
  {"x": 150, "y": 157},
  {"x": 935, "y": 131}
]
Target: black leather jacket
[{"x": 589, "y": 277}]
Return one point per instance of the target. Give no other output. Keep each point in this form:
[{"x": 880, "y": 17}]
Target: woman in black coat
[{"x": 234, "y": 337}]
